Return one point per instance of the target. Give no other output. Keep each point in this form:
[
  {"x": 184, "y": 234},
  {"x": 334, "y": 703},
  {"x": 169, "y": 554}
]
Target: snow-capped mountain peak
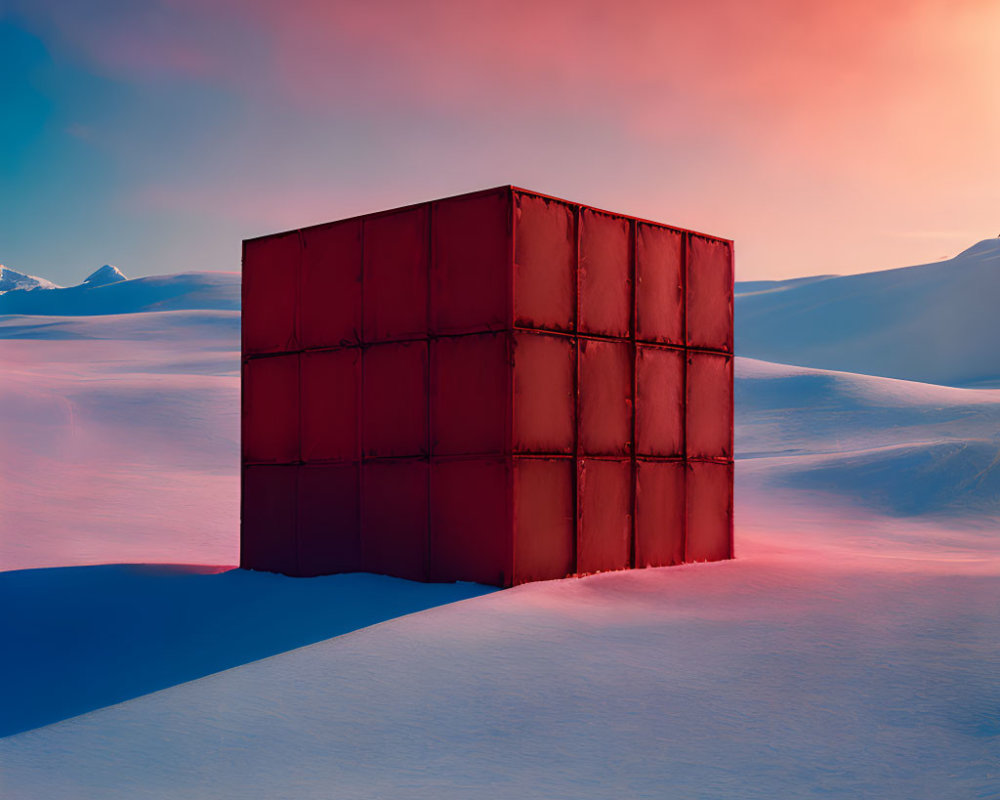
[
  {"x": 105, "y": 275},
  {"x": 11, "y": 279}
]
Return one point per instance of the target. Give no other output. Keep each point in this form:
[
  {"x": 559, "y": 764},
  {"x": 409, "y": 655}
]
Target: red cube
[
  {"x": 267, "y": 534},
  {"x": 659, "y": 422},
  {"x": 394, "y": 400},
  {"x": 396, "y": 275},
  {"x": 605, "y": 276},
  {"x": 659, "y": 295},
  {"x": 394, "y": 495},
  {"x": 271, "y": 410},
  {"x": 545, "y": 263},
  {"x": 544, "y": 519},
  {"x": 544, "y": 387},
  {"x": 330, "y": 386},
  {"x": 709, "y": 406},
  {"x": 498, "y": 387},
  {"x": 604, "y": 397},
  {"x": 328, "y": 524},
  {"x": 604, "y": 515},
  {"x": 709, "y": 506},
  {"x": 659, "y": 513},
  {"x": 330, "y": 298},
  {"x": 709, "y": 304}
]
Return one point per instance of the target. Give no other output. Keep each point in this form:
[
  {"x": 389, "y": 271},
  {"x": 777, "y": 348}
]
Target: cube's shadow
[{"x": 76, "y": 639}]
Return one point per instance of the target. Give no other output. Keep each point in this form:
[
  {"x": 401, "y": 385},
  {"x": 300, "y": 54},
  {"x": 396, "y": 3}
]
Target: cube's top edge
[
  {"x": 384, "y": 212},
  {"x": 632, "y": 217},
  {"x": 508, "y": 188}
]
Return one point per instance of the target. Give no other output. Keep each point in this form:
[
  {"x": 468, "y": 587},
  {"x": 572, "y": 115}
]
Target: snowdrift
[
  {"x": 935, "y": 323},
  {"x": 898, "y": 447}
]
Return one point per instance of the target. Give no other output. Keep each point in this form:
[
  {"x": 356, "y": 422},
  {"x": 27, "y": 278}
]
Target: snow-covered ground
[
  {"x": 119, "y": 438},
  {"x": 851, "y": 650}
]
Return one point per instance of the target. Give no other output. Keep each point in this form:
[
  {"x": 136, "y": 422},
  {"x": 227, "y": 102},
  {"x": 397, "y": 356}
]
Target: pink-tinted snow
[{"x": 851, "y": 650}]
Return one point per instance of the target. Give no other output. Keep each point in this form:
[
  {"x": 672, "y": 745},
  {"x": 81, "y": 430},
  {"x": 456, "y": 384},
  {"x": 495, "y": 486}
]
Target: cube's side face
[
  {"x": 377, "y": 394},
  {"x": 622, "y": 386}
]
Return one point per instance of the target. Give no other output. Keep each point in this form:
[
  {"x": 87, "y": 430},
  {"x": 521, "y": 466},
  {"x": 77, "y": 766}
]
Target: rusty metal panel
[
  {"x": 270, "y": 293},
  {"x": 659, "y": 405},
  {"x": 659, "y": 284},
  {"x": 709, "y": 280},
  {"x": 329, "y": 524},
  {"x": 544, "y": 413},
  {"x": 394, "y": 510},
  {"x": 659, "y": 514},
  {"x": 709, "y": 511},
  {"x": 470, "y": 395},
  {"x": 470, "y": 534},
  {"x": 605, "y": 281},
  {"x": 394, "y": 399},
  {"x": 330, "y": 301},
  {"x": 396, "y": 273},
  {"x": 605, "y": 397},
  {"x": 709, "y": 406},
  {"x": 271, "y": 409},
  {"x": 604, "y": 515},
  {"x": 544, "y": 534},
  {"x": 544, "y": 263},
  {"x": 470, "y": 272},
  {"x": 267, "y": 529},
  {"x": 331, "y": 388},
  {"x": 508, "y": 376}
]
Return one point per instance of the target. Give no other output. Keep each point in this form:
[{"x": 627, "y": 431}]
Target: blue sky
[{"x": 156, "y": 136}]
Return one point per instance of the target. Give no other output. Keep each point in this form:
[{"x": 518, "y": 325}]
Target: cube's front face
[{"x": 498, "y": 387}]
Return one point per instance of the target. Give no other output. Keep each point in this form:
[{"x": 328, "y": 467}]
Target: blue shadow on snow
[{"x": 75, "y": 639}]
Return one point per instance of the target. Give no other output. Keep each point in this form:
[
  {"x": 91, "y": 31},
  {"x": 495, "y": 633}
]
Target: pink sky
[{"x": 821, "y": 137}]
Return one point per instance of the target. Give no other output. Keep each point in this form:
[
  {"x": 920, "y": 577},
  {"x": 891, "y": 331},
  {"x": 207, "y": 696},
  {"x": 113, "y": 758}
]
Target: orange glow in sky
[{"x": 822, "y": 137}]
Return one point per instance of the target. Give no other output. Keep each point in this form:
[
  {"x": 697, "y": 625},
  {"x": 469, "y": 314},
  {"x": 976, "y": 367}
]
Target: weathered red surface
[
  {"x": 498, "y": 387},
  {"x": 330, "y": 285}
]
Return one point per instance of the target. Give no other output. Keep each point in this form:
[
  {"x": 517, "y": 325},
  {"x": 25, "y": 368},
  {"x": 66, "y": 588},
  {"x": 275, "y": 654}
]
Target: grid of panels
[{"x": 496, "y": 387}]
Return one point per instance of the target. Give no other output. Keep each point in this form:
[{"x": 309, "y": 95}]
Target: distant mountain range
[
  {"x": 108, "y": 291},
  {"x": 935, "y": 323}
]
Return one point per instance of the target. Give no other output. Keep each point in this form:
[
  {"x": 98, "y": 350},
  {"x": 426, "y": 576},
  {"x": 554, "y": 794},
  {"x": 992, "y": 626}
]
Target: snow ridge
[
  {"x": 933, "y": 323},
  {"x": 13, "y": 281}
]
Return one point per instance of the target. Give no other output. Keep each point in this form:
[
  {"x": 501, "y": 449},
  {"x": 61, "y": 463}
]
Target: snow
[
  {"x": 103, "y": 276},
  {"x": 760, "y": 678},
  {"x": 898, "y": 447},
  {"x": 107, "y": 291},
  {"x": 119, "y": 439},
  {"x": 933, "y": 323},
  {"x": 10, "y": 281},
  {"x": 161, "y": 625},
  {"x": 851, "y": 650}
]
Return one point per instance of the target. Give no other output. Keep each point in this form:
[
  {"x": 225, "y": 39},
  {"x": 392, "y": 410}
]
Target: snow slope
[
  {"x": 759, "y": 678},
  {"x": 119, "y": 439},
  {"x": 10, "y": 280},
  {"x": 898, "y": 447},
  {"x": 161, "y": 625},
  {"x": 934, "y": 323}
]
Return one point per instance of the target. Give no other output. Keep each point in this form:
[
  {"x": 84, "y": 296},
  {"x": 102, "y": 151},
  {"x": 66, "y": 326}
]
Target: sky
[{"x": 822, "y": 137}]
